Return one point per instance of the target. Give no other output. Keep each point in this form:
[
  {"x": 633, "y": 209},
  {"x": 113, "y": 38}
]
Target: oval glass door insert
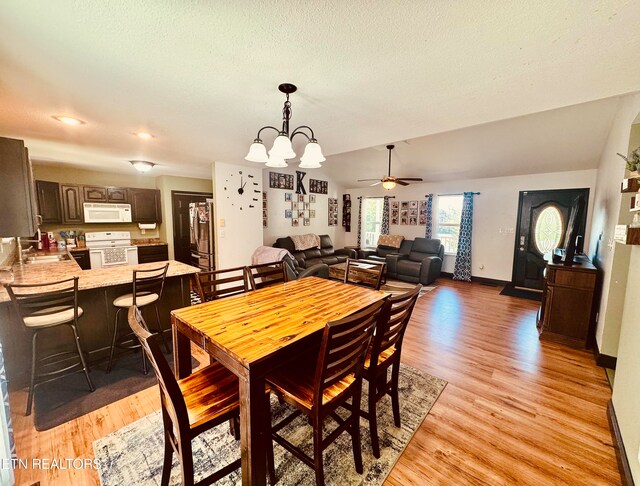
[{"x": 548, "y": 229}]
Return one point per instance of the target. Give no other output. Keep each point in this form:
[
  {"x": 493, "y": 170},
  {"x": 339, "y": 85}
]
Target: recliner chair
[{"x": 417, "y": 261}]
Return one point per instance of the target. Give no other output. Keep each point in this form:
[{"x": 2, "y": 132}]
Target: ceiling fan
[{"x": 389, "y": 181}]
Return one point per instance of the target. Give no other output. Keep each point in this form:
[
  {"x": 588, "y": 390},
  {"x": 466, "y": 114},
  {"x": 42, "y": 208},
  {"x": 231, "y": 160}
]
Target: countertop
[{"x": 88, "y": 279}]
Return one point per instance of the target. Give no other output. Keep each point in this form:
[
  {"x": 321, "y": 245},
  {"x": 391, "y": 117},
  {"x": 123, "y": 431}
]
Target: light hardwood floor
[{"x": 515, "y": 411}]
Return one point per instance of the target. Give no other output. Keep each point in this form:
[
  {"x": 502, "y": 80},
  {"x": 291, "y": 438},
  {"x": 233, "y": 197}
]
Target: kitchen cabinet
[
  {"x": 82, "y": 258},
  {"x": 119, "y": 195},
  {"x": 145, "y": 205},
  {"x": 94, "y": 194},
  {"x": 153, "y": 253},
  {"x": 104, "y": 194},
  {"x": 71, "y": 196},
  {"x": 17, "y": 198},
  {"x": 48, "y": 197},
  {"x": 567, "y": 312}
]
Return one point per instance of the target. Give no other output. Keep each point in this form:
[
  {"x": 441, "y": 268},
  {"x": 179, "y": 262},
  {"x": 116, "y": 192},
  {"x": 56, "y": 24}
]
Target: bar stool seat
[
  {"x": 126, "y": 300},
  {"x": 51, "y": 316},
  {"x": 41, "y": 307},
  {"x": 147, "y": 291}
]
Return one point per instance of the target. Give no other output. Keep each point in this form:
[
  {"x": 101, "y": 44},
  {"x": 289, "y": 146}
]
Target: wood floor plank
[{"x": 517, "y": 410}]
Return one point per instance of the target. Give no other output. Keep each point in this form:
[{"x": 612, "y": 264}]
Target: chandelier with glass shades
[{"x": 282, "y": 148}]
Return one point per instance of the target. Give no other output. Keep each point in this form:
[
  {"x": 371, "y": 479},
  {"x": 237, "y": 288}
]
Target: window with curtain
[
  {"x": 371, "y": 221},
  {"x": 449, "y": 214}
]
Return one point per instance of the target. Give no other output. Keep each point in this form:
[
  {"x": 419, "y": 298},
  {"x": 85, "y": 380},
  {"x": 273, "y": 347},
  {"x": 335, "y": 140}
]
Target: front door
[
  {"x": 182, "y": 222},
  {"x": 542, "y": 222}
]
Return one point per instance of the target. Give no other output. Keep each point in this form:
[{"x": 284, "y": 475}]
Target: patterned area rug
[
  {"x": 396, "y": 287},
  {"x": 133, "y": 454}
]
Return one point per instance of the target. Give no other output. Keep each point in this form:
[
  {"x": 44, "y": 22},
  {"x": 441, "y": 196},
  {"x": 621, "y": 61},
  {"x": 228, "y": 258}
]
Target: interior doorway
[
  {"x": 542, "y": 223},
  {"x": 182, "y": 224}
]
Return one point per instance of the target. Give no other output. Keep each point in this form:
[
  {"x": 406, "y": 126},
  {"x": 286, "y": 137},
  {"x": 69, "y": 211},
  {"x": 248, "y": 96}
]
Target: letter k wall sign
[{"x": 300, "y": 182}]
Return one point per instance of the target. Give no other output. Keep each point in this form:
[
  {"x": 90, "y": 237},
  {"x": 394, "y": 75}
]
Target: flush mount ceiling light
[
  {"x": 142, "y": 165},
  {"x": 68, "y": 120},
  {"x": 143, "y": 135},
  {"x": 282, "y": 148}
]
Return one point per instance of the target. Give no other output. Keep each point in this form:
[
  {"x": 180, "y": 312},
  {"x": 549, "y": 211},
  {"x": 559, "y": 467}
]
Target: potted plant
[{"x": 633, "y": 161}]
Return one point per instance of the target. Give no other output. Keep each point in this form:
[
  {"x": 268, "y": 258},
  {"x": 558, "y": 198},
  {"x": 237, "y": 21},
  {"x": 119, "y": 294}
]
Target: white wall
[
  {"x": 238, "y": 231},
  {"x": 610, "y": 208},
  {"x": 626, "y": 399},
  {"x": 276, "y": 205},
  {"x": 495, "y": 213}
]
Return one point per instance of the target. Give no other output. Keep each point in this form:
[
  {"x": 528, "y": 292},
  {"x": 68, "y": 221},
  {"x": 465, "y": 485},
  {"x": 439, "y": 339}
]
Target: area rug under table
[
  {"x": 133, "y": 454},
  {"x": 398, "y": 287}
]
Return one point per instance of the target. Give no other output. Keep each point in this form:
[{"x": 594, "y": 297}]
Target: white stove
[{"x": 109, "y": 248}]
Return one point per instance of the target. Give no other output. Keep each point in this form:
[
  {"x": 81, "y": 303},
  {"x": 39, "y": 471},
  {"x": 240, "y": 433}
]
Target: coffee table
[{"x": 364, "y": 270}]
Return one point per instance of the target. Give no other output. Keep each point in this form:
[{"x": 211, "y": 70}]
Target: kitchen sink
[{"x": 46, "y": 258}]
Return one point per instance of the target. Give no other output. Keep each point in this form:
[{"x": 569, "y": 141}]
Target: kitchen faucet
[{"x": 19, "y": 249}]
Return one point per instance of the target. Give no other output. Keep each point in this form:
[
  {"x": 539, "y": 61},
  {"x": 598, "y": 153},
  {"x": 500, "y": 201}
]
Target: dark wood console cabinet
[{"x": 567, "y": 312}]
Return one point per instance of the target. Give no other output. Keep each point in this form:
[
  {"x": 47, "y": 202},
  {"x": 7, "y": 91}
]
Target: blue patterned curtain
[
  {"x": 7, "y": 444},
  {"x": 359, "y": 220},
  {"x": 462, "y": 268},
  {"x": 429, "y": 225},
  {"x": 384, "y": 227}
]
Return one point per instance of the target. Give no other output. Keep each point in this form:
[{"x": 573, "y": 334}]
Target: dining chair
[
  {"x": 265, "y": 274},
  {"x": 221, "y": 283},
  {"x": 317, "y": 385},
  {"x": 191, "y": 406},
  {"x": 147, "y": 290},
  {"x": 41, "y": 307},
  {"x": 365, "y": 273},
  {"x": 384, "y": 353}
]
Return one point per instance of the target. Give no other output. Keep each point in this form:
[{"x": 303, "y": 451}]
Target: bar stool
[
  {"x": 45, "y": 306},
  {"x": 147, "y": 290}
]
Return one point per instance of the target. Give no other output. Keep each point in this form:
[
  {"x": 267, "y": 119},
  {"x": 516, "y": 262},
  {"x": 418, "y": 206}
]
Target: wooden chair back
[
  {"x": 365, "y": 273},
  {"x": 44, "y": 299},
  {"x": 344, "y": 347},
  {"x": 222, "y": 283},
  {"x": 391, "y": 330},
  {"x": 172, "y": 401},
  {"x": 265, "y": 274},
  {"x": 150, "y": 281}
]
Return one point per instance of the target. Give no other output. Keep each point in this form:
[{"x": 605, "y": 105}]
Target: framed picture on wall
[
  {"x": 404, "y": 205},
  {"x": 288, "y": 213},
  {"x": 287, "y": 196},
  {"x": 307, "y": 205},
  {"x": 423, "y": 218},
  {"x": 312, "y": 213},
  {"x": 404, "y": 220},
  {"x": 307, "y": 222},
  {"x": 295, "y": 222},
  {"x": 300, "y": 197},
  {"x": 301, "y": 213},
  {"x": 413, "y": 204},
  {"x": 294, "y": 206},
  {"x": 312, "y": 198},
  {"x": 395, "y": 204}
]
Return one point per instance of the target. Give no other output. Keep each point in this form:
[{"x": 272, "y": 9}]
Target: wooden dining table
[{"x": 256, "y": 332}]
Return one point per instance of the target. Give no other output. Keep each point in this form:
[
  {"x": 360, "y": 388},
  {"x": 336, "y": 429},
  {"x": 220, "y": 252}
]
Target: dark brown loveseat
[{"x": 326, "y": 254}]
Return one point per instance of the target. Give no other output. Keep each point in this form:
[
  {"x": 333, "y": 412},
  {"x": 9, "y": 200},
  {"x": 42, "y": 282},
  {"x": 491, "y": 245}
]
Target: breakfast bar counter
[{"x": 97, "y": 290}]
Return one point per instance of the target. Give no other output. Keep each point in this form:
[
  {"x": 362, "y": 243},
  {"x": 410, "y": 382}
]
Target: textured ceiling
[{"x": 203, "y": 75}]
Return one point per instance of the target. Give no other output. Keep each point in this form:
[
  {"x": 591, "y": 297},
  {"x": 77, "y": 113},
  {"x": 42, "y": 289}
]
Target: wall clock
[{"x": 237, "y": 190}]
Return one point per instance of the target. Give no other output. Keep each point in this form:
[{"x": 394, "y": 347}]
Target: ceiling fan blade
[
  {"x": 375, "y": 183},
  {"x": 416, "y": 179},
  {"x": 367, "y": 180},
  {"x": 402, "y": 183}
]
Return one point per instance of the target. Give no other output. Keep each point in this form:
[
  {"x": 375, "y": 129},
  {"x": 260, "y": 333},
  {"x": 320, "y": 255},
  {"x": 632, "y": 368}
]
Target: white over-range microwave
[{"x": 107, "y": 213}]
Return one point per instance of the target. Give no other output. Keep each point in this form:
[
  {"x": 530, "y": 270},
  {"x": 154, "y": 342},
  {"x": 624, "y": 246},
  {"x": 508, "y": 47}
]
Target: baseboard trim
[
  {"x": 486, "y": 281},
  {"x": 621, "y": 454},
  {"x": 604, "y": 360}
]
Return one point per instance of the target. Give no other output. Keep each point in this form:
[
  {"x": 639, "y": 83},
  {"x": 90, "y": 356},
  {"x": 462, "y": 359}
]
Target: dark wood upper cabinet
[
  {"x": 71, "y": 196},
  {"x": 48, "y": 197},
  {"x": 17, "y": 198},
  {"x": 117, "y": 195},
  {"x": 145, "y": 205},
  {"x": 94, "y": 194}
]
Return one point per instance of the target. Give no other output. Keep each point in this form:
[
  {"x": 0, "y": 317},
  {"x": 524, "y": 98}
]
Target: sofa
[
  {"x": 416, "y": 261},
  {"x": 326, "y": 254},
  {"x": 387, "y": 245}
]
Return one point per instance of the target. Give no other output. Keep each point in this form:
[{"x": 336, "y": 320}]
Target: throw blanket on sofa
[
  {"x": 268, "y": 254},
  {"x": 393, "y": 241},
  {"x": 304, "y": 242}
]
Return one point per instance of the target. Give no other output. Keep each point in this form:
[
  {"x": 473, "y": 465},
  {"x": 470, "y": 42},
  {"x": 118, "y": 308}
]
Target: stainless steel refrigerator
[{"x": 202, "y": 241}]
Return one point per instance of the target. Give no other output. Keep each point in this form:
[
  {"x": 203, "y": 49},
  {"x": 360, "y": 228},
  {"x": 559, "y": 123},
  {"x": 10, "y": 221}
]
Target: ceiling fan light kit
[
  {"x": 282, "y": 148},
  {"x": 389, "y": 182}
]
